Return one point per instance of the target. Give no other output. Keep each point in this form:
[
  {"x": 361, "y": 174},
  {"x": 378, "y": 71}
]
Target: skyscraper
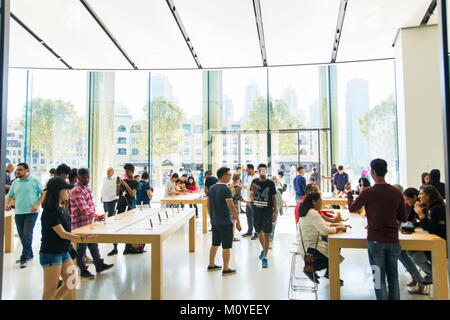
[
  {"x": 227, "y": 109},
  {"x": 291, "y": 98},
  {"x": 161, "y": 87},
  {"x": 356, "y": 103},
  {"x": 251, "y": 94}
]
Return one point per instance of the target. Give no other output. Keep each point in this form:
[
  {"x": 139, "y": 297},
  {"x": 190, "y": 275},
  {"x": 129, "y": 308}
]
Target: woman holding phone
[{"x": 56, "y": 254}]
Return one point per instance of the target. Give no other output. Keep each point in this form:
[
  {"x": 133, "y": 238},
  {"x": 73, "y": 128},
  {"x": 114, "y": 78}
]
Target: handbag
[{"x": 314, "y": 259}]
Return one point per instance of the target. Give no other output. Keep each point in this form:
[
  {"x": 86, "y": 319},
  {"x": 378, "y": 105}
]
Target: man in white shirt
[
  {"x": 251, "y": 175},
  {"x": 109, "y": 196},
  {"x": 170, "y": 189}
]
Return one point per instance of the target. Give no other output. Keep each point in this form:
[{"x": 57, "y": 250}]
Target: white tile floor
[{"x": 185, "y": 275}]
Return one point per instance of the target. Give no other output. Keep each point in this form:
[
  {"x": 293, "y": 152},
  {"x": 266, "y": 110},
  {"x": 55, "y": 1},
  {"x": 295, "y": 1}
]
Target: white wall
[{"x": 420, "y": 124}]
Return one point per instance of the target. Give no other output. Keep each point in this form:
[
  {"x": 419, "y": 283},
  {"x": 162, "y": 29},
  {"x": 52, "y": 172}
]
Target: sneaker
[
  {"x": 264, "y": 263},
  {"x": 132, "y": 251},
  {"x": 246, "y": 235},
  {"x": 413, "y": 283},
  {"x": 23, "y": 264},
  {"x": 86, "y": 274},
  {"x": 102, "y": 267},
  {"x": 312, "y": 276},
  {"x": 261, "y": 255},
  {"x": 228, "y": 272},
  {"x": 214, "y": 268},
  {"x": 255, "y": 236},
  {"x": 112, "y": 252}
]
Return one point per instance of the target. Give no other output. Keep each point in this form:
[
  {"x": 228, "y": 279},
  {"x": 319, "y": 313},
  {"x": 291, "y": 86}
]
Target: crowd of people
[
  {"x": 68, "y": 203},
  {"x": 386, "y": 207}
]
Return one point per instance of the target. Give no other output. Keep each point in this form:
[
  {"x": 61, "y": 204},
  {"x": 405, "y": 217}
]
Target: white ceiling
[{"x": 222, "y": 32}]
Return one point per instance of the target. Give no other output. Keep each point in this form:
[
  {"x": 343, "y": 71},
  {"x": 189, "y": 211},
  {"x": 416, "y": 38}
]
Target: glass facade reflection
[{"x": 168, "y": 121}]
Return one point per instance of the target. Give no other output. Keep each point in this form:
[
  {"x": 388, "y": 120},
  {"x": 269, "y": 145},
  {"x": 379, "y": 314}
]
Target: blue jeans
[
  {"x": 249, "y": 214},
  {"x": 297, "y": 198},
  {"x": 25, "y": 225},
  {"x": 410, "y": 266},
  {"x": 81, "y": 252},
  {"x": 383, "y": 259},
  {"x": 109, "y": 207},
  {"x": 421, "y": 260}
]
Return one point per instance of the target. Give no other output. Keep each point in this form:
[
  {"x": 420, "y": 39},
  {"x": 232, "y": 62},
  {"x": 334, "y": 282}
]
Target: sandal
[
  {"x": 236, "y": 239},
  {"x": 413, "y": 283},
  {"x": 418, "y": 291}
]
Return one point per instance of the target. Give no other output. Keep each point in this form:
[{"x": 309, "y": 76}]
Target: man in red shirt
[
  {"x": 385, "y": 206},
  {"x": 82, "y": 212}
]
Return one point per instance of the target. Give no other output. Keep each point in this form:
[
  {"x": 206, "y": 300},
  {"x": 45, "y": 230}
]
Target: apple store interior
[{"x": 158, "y": 124}]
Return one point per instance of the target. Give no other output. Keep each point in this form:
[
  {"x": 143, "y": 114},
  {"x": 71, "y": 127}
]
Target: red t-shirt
[{"x": 191, "y": 188}]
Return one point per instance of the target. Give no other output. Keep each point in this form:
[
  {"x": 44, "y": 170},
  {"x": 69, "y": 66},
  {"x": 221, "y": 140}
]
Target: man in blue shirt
[
  {"x": 27, "y": 192},
  {"x": 300, "y": 184},
  {"x": 340, "y": 179}
]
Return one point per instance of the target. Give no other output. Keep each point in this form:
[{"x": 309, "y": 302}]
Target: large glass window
[
  {"x": 57, "y": 119},
  {"x": 367, "y": 116},
  {"x": 294, "y": 93},
  {"x": 17, "y": 96},
  {"x": 238, "y": 99},
  {"x": 131, "y": 120},
  {"x": 177, "y": 124}
]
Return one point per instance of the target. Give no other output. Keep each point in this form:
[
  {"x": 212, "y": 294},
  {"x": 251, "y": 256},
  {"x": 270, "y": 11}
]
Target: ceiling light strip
[
  {"x": 429, "y": 12},
  {"x": 108, "y": 33},
  {"x": 34, "y": 35},
  {"x": 338, "y": 34},
  {"x": 177, "y": 18},
  {"x": 260, "y": 28}
]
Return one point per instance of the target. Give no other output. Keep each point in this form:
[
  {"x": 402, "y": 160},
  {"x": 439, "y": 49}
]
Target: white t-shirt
[
  {"x": 248, "y": 184},
  {"x": 170, "y": 186},
  {"x": 109, "y": 189}
]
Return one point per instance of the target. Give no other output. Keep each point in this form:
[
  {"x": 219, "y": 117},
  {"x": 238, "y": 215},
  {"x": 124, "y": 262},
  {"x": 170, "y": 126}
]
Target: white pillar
[{"x": 420, "y": 130}]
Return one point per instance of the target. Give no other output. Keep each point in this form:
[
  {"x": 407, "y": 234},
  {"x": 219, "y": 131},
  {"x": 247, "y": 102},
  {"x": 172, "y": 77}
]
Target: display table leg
[
  {"x": 9, "y": 234},
  {"x": 440, "y": 276},
  {"x": 157, "y": 270},
  {"x": 333, "y": 263},
  {"x": 192, "y": 234}
]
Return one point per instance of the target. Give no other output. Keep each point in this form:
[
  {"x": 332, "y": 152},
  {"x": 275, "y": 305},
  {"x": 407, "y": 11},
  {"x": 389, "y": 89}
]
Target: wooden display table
[
  {"x": 342, "y": 202},
  {"x": 9, "y": 231},
  {"x": 421, "y": 240},
  {"x": 135, "y": 227},
  {"x": 195, "y": 198}
]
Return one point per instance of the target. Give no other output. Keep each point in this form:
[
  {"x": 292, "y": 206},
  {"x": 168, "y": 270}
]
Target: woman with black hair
[
  {"x": 425, "y": 179},
  {"x": 310, "y": 228},
  {"x": 362, "y": 184},
  {"x": 56, "y": 255},
  {"x": 411, "y": 197},
  {"x": 431, "y": 212},
  {"x": 192, "y": 187}
]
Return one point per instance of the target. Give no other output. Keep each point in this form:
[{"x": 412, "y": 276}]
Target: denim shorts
[{"x": 53, "y": 259}]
